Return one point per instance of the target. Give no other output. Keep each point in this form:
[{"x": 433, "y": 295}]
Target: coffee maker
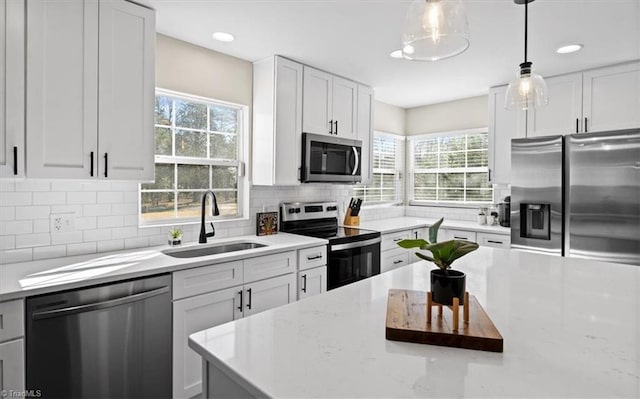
[{"x": 504, "y": 212}]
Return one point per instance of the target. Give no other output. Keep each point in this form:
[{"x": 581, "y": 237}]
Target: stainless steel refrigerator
[{"x": 578, "y": 195}]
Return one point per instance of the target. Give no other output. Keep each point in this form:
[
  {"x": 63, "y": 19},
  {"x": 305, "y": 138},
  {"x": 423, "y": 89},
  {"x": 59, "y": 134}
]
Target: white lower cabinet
[
  {"x": 235, "y": 290},
  {"x": 192, "y": 315},
  {"x": 494, "y": 240},
  {"x": 395, "y": 258},
  {"x": 268, "y": 294},
  {"x": 312, "y": 282},
  {"x": 461, "y": 235},
  {"x": 12, "y": 366}
]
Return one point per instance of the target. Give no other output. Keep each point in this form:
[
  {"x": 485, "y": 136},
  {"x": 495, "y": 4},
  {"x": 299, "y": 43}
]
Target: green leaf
[
  {"x": 413, "y": 243},
  {"x": 433, "y": 231},
  {"x": 425, "y": 257}
]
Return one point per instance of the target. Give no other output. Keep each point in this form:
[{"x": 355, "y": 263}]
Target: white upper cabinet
[
  {"x": 611, "y": 98},
  {"x": 90, "y": 111},
  {"x": 564, "y": 112},
  {"x": 329, "y": 104},
  {"x": 504, "y": 125},
  {"x": 12, "y": 88},
  {"x": 277, "y": 122},
  {"x": 126, "y": 91},
  {"x": 365, "y": 130}
]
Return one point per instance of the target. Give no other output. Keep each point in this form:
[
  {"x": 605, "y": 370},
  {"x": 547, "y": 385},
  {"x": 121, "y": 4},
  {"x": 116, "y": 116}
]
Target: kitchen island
[{"x": 571, "y": 328}]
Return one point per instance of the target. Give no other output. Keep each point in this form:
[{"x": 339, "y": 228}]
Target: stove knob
[
  {"x": 292, "y": 210},
  {"x": 297, "y": 210}
]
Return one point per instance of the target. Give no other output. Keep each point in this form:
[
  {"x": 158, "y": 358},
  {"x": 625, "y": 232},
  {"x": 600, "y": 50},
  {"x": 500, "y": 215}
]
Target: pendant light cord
[{"x": 526, "y": 18}]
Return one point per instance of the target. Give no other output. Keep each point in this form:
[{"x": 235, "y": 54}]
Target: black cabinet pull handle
[
  {"x": 240, "y": 307},
  {"x": 460, "y": 238},
  {"x": 304, "y": 283},
  {"x": 314, "y": 257},
  {"x": 585, "y": 125},
  {"x": 397, "y": 262},
  {"x": 577, "y": 125},
  {"x": 336, "y": 127},
  {"x": 249, "y": 301},
  {"x": 91, "y": 172},
  {"x": 106, "y": 164},
  {"x": 15, "y": 160},
  {"x": 489, "y": 174},
  {"x": 331, "y": 126},
  {"x": 495, "y": 242},
  {"x": 415, "y": 233}
]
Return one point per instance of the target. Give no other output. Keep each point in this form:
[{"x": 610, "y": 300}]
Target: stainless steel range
[{"x": 353, "y": 253}]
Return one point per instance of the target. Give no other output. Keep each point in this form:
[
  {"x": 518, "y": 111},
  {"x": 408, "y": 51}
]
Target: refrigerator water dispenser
[{"x": 535, "y": 221}]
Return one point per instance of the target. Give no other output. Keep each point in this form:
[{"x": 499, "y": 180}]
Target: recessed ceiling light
[
  {"x": 223, "y": 37},
  {"x": 572, "y": 48},
  {"x": 396, "y": 54}
]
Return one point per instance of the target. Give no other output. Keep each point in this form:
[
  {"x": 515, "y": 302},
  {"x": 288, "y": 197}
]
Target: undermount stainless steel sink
[{"x": 214, "y": 249}]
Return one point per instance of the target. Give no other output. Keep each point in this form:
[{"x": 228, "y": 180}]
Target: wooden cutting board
[{"x": 407, "y": 321}]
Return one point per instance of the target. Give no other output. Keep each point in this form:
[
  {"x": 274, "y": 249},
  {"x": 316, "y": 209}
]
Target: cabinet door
[
  {"x": 288, "y": 122},
  {"x": 12, "y": 88},
  {"x": 611, "y": 98},
  {"x": 269, "y": 266},
  {"x": 268, "y": 294},
  {"x": 126, "y": 91},
  {"x": 395, "y": 258},
  {"x": 317, "y": 102},
  {"x": 345, "y": 108},
  {"x": 62, "y": 76},
  {"x": 494, "y": 240},
  {"x": 504, "y": 125},
  {"x": 563, "y": 115},
  {"x": 390, "y": 240},
  {"x": 365, "y": 130},
  {"x": 12, "y": 366},
  {"x": 312, "y": 282},
  {"x": 189, "y": 316},
  {"x": 461, "y": 235}
]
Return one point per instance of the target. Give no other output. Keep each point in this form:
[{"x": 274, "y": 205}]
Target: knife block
[{"x": 351, "y": 220}]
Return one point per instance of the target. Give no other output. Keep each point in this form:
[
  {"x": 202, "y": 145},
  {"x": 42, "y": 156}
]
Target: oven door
[
  {"x": 330, "y": 159},
  {"x": 352, "y": 261}
]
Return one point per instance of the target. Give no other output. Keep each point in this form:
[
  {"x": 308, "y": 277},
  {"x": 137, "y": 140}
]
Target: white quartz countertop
[
  {"x": 571, "y": 328},
  {"x": 19, "y": 280},
  {"x": 391, "y": 225}
]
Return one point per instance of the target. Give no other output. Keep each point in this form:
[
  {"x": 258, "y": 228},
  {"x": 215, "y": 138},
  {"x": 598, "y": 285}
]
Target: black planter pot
[{"x": 446, "y": 285}]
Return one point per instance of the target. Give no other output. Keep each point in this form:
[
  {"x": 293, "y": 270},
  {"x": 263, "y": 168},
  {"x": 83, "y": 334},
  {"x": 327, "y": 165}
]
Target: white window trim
[
  {"x": 242, "y": 164},
  {"x": 399, "y": 172},
  {"x": 410, "y": 175}
]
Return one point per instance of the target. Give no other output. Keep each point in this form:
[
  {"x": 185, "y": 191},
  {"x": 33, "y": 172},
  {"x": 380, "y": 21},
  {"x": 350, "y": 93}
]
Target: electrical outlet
[{"x": 63, "y": 222}]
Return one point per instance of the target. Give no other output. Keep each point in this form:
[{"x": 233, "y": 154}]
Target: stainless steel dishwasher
[{"x": 107, "y": 341}]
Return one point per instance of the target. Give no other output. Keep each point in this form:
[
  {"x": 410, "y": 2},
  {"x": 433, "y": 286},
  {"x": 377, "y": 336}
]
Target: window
[
  {"x": 451, "y": 167},
  {"x": 198, "y": 147},
  {"x": 386, "y": 181}
]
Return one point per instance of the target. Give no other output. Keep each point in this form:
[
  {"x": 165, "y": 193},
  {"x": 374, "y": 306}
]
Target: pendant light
[
  {"x": 434, "y": 30},
  {"x": 528, "y": 89}
]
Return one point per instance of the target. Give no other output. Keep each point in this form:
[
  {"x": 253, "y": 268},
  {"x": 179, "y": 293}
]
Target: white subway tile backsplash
[
  {"x": 96, "y": 210},
  {"x": 124, "y": 186},
  {"x": 7, "y": 185},
  {"x": 124, "y": 232},
  {"x": 110, "y": 197},
  {"x": 160, "y": 239},
  {"x": 32, "y": 185},
  {"x": 54, "y": 251},
  {"x": 41, "y": 225},
  {"x": 97, "y": 186},
  {"x": 49, "y": 198},
  {"x": 67, "y": 237},
  {"x": 66, "y": 185},
  {"x": 111, "y": 245},
  {"x": 7, "y": 213},
  {"x": 96, "y": 235},
  {"x": 138, "y": 242},
  {"x": 32, "y": 212},
  {"x": 11, "y": 198},
  {"x": 131, "y": 196},
  {"x": 110, "y": 221},
  {"x": 7, "y": 242},
  {"x": 81, "y": 249},
  {"x": 86, "y": 223},
  {"x": 16, "y": 227},
  {"x": 131, "y": 220},
  {"x": 81, "y": 197},
  {"x": 124, "y": 209},
  {"x": 16, "y": 255},
  {"x": 77, "y": 209},
  {"x": 33, "y": 240}
]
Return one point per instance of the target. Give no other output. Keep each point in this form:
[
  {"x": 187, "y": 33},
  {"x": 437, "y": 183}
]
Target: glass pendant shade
[
  {"x": 527, "y": 90},
  {"x": 434, "y": 30}
]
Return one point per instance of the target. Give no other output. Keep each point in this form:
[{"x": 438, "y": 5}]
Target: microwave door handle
[{"x": 356, "y": 165}]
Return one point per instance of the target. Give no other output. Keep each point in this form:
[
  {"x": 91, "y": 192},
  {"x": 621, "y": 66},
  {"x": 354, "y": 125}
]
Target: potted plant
[
  {"x": 446, "y": 283},
  {"x": 175, "y": 236}
]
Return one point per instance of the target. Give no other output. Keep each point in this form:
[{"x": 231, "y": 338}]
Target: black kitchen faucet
[{"x": 214, "y": 212}]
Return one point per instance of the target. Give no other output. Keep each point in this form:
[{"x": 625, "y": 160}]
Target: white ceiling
[{"x": 353, "y": 38}]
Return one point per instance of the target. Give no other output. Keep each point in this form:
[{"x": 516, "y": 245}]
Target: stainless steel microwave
[{"x": 330, "y": 159}]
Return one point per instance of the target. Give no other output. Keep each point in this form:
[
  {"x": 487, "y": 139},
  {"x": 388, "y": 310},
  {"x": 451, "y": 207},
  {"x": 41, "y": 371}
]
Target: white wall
[
  {"x": 389, "y": 118},
  {"x": 466, "y": 113}
]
